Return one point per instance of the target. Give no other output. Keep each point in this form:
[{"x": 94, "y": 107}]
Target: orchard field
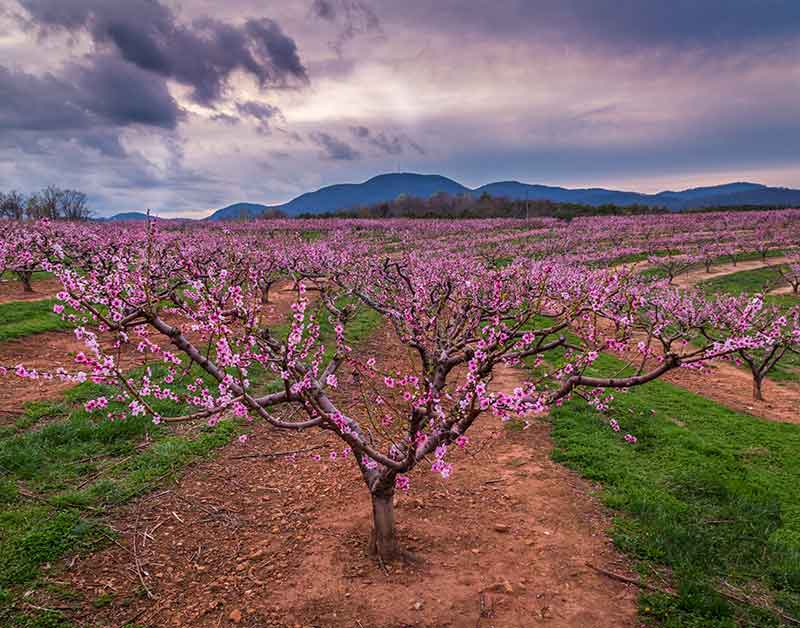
[{"x": 385, "y": 423}]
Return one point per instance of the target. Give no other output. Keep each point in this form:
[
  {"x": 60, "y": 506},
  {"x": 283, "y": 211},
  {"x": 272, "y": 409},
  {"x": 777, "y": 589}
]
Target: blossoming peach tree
[{"x": 197, "y": 303}]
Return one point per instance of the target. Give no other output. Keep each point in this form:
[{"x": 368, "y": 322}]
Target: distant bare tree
[
  {"x": 52, "y": 203},
  {"x": 72, "y": 205},
  {"x": 33, "y": 207},
  {"x": 50, "y": 200},
  {"x": 12, "y": 205}
]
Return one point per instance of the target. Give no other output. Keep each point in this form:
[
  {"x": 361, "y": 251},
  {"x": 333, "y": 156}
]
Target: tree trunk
[
  {"x": 25, "y": 278},
  {"x": 383, "y": 541},
  {"x": 265, "y": 294},
  {"x": 757, "y": 395}
]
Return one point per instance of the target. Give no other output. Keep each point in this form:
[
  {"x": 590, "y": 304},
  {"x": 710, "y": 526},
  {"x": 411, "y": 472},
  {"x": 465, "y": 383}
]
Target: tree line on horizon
[
  {"x": 464, "y": 206},
  {"x": 52, "y": 202}
]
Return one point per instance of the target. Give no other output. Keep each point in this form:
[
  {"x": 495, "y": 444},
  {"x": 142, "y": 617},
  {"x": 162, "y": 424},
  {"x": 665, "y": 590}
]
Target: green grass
[
  {"x": 62, "y": 471},
  {"x": 751, "y": 282},
  {"x": 24, "y": 318},
  {"x": 707, "y": 494}
]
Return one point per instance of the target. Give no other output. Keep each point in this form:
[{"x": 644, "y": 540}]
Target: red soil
[
  {"x": 264, "y": 542},
  {"x": 42, "y": 289}
]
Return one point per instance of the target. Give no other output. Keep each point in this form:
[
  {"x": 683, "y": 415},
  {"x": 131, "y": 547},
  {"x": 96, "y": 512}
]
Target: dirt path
[
  {"x": 42, "y": 289},
  {"x": 267, "y": 542}
]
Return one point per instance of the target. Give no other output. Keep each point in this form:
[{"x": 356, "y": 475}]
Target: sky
[{"x": 184, "y": 107}]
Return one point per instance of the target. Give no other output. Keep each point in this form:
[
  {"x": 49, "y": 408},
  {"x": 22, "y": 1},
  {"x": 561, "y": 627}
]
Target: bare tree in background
[
  {"x": 72, "y": 205},
  {"x": 32, "y": 205},
  {"x": 52, "y": 203},
  {"x": 50, "y": 198},
  {"x": 12, "y": 205}
]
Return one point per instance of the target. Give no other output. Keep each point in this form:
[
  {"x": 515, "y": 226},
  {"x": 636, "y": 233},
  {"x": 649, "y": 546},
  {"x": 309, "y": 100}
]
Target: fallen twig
[{"x": 634, "y": 581}]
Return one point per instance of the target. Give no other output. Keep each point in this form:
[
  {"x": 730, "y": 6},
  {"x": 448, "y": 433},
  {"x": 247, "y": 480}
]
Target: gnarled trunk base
[
  {"x": 383, "y": 539},
  {"x": 25, "y": 279},
  {"x": 757, "y": 394}
]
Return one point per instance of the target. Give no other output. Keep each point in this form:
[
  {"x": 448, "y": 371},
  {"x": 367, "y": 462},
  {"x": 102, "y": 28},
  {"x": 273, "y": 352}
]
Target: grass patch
[
  {"x": 751, "y": 282},
  {"x": 711, "y": 494},
  {"x": 59, "y": 478},
  {"x": 24, "y": 318}
]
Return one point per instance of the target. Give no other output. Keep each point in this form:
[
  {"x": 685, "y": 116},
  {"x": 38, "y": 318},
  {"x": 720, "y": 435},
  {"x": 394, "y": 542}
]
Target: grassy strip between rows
[
  {"x": 62, "y": 470},
  {"x": 24, "y": 318},
  {"x": 751, "y": 282},
  {"x": 708, "y": 497}
]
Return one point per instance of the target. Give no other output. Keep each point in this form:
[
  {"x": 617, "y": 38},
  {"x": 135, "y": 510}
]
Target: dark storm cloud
[
  {"x": 33, "y": 103},
  {"x": 333, "y": 147},
  {"x": 385, "y": 142},
  {"x": 202, "y": 54},
  {"x": 83, "y": 105},
  {"x": 87, "y": 104},
  {"x": 123, "y": 94}
]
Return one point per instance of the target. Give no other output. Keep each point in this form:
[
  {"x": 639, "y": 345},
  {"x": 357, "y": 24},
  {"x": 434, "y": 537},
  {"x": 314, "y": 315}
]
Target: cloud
[
  {"x": 263, "y": 113},
  {"x": 386, "y": 143},
  {"x": 99, "y": 107},
  {"x": 202, "y": 55},
  {"x": 353, "y": 18},
  {"x": 124, "y": 94},
  {"x": 32, "y": 103},
  {"x": 89, "y": 104},
  {"x": 334, "y": 148},
  {"x": 324, "y": 9},
  {"x": 576, "y": 92}
]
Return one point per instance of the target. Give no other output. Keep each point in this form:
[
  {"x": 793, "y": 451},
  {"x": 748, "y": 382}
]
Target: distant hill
[
  {"x": 587, "y": 196},
  {"x": 238, "y": 210},
  {"x": 384, "y": 187},
  {"x": 130, "y": 216},
  {"x": 387, "y": 187}
]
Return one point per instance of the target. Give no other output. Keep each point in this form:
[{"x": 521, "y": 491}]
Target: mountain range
[{"x": 387, "y": 187}]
